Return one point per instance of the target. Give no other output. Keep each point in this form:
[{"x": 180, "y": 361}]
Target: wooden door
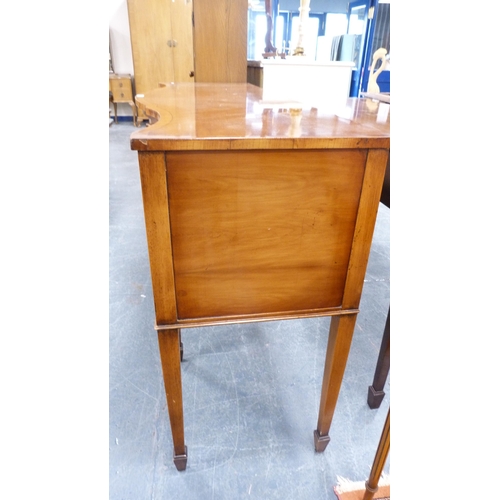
[
  {"x": 162, "y": 42},
  {"x": 149, "y": 34},
  {"x": 182, "y": 34},
  {"x": 220, "y": 41}
]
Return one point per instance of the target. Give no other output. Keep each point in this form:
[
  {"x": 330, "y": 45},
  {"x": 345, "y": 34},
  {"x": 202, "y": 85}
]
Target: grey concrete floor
[{"x": 251, "y": 392}]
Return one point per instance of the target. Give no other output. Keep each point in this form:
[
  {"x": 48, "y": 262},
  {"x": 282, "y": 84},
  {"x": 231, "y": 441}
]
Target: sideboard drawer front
[
  {"x": 121, "y": 89},
  {"x": 260, "y": 231}
]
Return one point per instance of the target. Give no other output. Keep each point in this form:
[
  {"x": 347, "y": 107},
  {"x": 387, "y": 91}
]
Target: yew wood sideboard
[{"x": 257, "y": 211}]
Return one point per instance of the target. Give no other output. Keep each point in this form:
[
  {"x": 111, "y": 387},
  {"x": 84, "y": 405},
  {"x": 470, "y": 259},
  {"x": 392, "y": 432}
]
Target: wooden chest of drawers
[{"x": 120, "y": 87}]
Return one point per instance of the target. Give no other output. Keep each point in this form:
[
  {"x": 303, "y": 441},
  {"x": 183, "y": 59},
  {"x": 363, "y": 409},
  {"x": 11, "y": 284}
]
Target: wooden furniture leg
[
  {"x": 379, "y": 461},
  {"x": 169, "y": 342},
  {"x": 134, "y": 112},
  {"x": 339, "y": 343},
  {"x": 376, "y": 390},
  {"x": 181, "y": 346}
]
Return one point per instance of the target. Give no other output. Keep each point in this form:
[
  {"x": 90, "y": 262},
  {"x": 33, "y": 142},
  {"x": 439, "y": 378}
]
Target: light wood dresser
[{"x": 120, "y": 87}]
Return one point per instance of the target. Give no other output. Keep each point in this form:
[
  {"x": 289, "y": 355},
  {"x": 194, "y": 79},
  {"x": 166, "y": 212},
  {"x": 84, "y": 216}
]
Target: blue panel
[{"x": 384, "y": 81}]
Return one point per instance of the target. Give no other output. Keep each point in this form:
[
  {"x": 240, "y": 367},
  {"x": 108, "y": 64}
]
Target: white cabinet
[{"x": 313, "y": 83}]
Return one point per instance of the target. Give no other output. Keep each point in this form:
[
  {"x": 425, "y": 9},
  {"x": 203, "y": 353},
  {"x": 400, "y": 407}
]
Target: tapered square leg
[
  {"x": 376, "y": 390},
  {"x": 339, "y": 343},
  {"x": 169, "y": 343}
]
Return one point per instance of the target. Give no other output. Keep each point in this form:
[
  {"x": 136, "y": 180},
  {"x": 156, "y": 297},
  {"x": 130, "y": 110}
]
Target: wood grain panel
[
  {"x": 182, "y": 32},
  {"x": 220, "y": 40},
  {"x": 262, "y": 231}
]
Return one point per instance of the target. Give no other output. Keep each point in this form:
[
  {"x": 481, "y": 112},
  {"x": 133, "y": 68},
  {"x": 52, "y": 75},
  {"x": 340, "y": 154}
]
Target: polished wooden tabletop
[{"x": 200, "y": 116}]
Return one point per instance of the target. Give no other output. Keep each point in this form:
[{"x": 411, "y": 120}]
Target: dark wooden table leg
[
  {"x": 181, "y": 346},
  {"x": 169, "y": 342},
  {"x": 376, "y": 390},
  {"x": 339, "y": 343},
  {"x": 379, "y": 461}
]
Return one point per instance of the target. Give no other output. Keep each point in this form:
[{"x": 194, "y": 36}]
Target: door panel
[
  {"x": 149, "y": 34},
  {"x": 220, "y": 41},
  {"x": 182, "y": 32}
]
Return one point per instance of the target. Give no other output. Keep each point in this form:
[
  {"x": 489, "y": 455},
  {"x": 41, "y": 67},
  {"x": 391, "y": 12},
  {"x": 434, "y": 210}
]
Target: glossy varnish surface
[{"x": 233, "y": 116}]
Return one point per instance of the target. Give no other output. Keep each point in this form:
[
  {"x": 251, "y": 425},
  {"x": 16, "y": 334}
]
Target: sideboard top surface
[{"x": 208, "y": 116}]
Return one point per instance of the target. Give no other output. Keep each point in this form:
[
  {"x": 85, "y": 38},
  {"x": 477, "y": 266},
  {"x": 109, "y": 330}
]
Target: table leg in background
[
  {"x": 376, "y": 390},
  {"x": 371, "y": 485}
]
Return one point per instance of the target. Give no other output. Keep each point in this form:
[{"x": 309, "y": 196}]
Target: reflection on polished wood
[
  {"x": 257, "y": 211},
  {"x": 230, "y": 116}
]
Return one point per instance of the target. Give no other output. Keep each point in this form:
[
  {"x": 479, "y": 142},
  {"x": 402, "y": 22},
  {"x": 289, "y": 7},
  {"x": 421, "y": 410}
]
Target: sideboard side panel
[{"x": 263, "y": 231}]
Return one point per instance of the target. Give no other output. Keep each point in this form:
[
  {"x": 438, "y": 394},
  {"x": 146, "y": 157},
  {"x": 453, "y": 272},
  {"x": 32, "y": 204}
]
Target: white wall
[
  {"x": 121, "y": 48},
  {"x": 120, "y": 37}
]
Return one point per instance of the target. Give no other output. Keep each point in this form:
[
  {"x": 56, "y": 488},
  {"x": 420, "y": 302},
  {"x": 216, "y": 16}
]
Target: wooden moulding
[
  {"x": 232, "y": 320},
  {"x": 254, "y": 144}
]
